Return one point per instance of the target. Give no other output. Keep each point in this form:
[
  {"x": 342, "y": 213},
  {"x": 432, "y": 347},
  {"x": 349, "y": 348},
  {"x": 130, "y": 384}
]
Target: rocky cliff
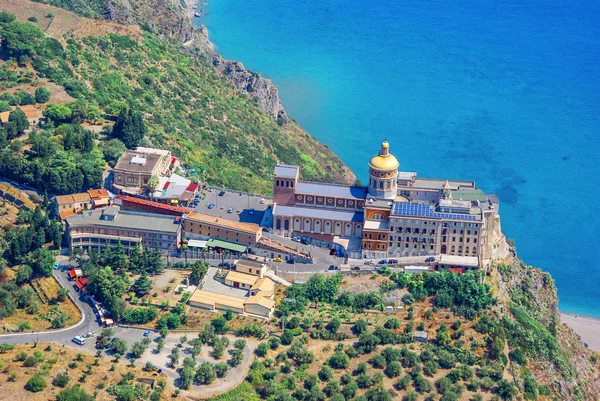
[
  {"x": 557, "y": 357},
  {"x": 169, "y": 20}
]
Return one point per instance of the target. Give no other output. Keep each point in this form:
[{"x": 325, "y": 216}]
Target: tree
[
  {"x": 24, "y": 274},
  {"x": 43, "y": 263},
  {"x": 205, "y": 374},
  {"x": 219, "y": 323},
  {"x": 6, "y": 17},
  {"x": 229, "y": 315},
  {"x": 19, "y": 118},
  {"x": 152, "y": 182},
  {"x": 129, "y": 127},
  {"x": 21, "y": 39},
  {"x": 74, "y": 393},
  {"x": 186, "y": 374},
  {"x": 36, "y": 383},
  {"x": 142, "y": 285},
  {"x": 262, "y": 349},
  {"x": 393, "y": 369},
  {"x": 339, "y": 360},
  {"x": 506, "y": 390},
  {"x": 112, "y": 150},
  {"x": 58, "y": 113},
  {"x": 360, "y": 326},
  {"x": 334, "y": 324},
  {"x": 42, "y": 95}
]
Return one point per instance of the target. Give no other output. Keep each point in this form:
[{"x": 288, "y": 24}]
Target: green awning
[{"x": 230, "y": 246}]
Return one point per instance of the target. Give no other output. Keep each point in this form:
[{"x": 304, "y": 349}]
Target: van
[{"x": 79, "y": 340}]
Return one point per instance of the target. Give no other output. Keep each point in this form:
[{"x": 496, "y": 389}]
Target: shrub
[
  {"x": 21, "y": 356},
  {"x": 35, "y": 384},
  {"x": 262, "y": 350},
  {"x": 393, "y": 369},
  {"x": 274, "y": 343},
  {"x": 360, "y": 326},
  {"x": 339, "y": 360},
  {"x": 392, "y": 323},
  {"x": 61, "y": 380}
]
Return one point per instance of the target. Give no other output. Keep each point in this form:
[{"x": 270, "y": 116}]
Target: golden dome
[{"x": 384, "y": 160}]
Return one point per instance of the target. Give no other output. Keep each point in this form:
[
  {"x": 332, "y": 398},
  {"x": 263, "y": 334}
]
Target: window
[
  {"x": 474, "y": 240},
  {"x": 292, "y": 184},
  {"x": 380, "y": 184},
  {"x": 287, "y": 184}
]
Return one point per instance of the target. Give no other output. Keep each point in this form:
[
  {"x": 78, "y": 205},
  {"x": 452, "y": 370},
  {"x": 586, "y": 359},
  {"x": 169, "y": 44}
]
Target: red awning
[
  {"x": 79, "y": 284},
  {"x": 192, "y": 187},
  {"x": 72, "y": 273},
  {"x": 457, "y": 270}
]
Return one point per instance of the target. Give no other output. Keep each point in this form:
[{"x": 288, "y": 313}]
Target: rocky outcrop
[
  {"x": 169, "y": 20},
  {"x": 533, "y": 290},
  {"x": 260, "y": 88}
]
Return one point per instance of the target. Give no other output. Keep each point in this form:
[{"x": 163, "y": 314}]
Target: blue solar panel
[{"x": 424, "y": 210}]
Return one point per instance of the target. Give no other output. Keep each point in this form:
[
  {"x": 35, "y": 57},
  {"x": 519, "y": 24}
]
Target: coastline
[{"x": 588, "y": 328}]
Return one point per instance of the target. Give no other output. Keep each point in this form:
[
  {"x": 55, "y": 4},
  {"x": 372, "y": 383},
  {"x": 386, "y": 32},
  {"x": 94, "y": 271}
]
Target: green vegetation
[{"x": 152, "y": 90}]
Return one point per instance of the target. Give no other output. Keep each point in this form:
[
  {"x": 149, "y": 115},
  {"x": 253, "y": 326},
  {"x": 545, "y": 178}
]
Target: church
[{"x": 396, "y": 215}]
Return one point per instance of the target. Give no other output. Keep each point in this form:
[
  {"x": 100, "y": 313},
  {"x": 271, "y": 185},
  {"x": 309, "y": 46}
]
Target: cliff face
[
  {"x": 557, "y": 358},
  {"x": 169, "y": 20}
]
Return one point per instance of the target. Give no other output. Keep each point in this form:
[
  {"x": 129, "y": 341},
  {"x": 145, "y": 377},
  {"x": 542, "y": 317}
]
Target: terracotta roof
[
  {"x": 65, "y": 214},
  {"x": 210, "y": 298},
  {"x": 25, "y": 108},
  {"x": 264, "y": 284},
  {"x": 258, "y": 299},
  {"x": 250, "y": 263},
  {"x": 243, "y": 278},
  {"x": 98, "y": 193},
  {"x": 67, "y": 199},
  {"x": 4, "y": 116},
  {"x": 36, "y": 114},
  {"x": 217, "y": 221},
  {"x": 158, "y": 205}
]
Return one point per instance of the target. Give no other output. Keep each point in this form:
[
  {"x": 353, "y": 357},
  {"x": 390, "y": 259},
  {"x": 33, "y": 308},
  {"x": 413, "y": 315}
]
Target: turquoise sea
[{"x": 505, "y": 93}]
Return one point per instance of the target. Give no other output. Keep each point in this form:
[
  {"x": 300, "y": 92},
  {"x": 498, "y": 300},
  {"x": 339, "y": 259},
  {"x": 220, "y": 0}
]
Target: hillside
[
  {"x": 188, "y": 106},
  {"x": 499, "y": 340}
]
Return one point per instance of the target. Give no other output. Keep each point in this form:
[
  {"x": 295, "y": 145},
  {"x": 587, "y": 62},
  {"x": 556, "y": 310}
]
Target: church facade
[{"x": 396, "y": 215}]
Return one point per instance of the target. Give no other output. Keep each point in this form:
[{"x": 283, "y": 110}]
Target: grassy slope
[{"x": 189, "y": 108}]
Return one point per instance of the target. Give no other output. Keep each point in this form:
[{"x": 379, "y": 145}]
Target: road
[{"x": 62, "y": 336}]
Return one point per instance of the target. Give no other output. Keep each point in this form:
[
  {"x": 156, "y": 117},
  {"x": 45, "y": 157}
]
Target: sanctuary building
[{"x": 396, "y": 215}]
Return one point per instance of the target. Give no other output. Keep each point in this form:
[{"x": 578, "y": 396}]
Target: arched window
[
  {"x": 377, "y": 216},
  {"x": 292, "y": 184},
  {"x": 287, "y": 184},
  {"x": 380, "y": 184},
  {"x": 286, "y": 224},
  {"x": 278, "y": 224},
  {"x": 277, "y": 183},
  {"x": 453, "y": 249}
]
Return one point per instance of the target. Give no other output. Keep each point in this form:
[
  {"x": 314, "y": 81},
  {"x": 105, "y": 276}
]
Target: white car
[
  {"x": 296, "y": 239},
  {"x": 79, "y": 340},
  {"x": 262, "y": 201}
]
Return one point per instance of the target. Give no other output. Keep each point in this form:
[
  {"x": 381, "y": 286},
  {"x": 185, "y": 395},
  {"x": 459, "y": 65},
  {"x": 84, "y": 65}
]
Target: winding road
[{"x": 87, "y": 323}]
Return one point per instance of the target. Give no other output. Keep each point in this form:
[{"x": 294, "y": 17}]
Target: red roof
[
  {"x": 72, "y": 273},
  {"x": 192, "y": 187},
  {"x": 157, "y": 205},
  {"x": 457, "y": 270},
  {"x": 81, "y": 283}
]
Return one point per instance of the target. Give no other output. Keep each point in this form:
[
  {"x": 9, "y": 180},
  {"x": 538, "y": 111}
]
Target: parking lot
[{"x": 239, "y": 203}]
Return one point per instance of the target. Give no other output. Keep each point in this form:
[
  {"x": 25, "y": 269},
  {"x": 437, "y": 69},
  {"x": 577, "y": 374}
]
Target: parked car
[
  {"x": 146, "y": 333},
  {"x": 430, "y": 259},
  {"x": 368, "y": 262},
  {"x": 230, "y": 210},
  {"x": 56, "y": 266},
  {"x": 221, "y": 193},
  {"x": 305, "y": 241},
  {"x": 355, "y": 268},
  {"x": 79, "y": 340},
  {"x": 333, "y": 267},
  {"x": 277, "y": 259},
  {"x": 393, "y": 262},
  {"x": 224, "y": 264},
  {"x": 251, "y": 211},
  {"x": 262, "y": 201},
  {"x": 211, "y": 206},
  {"x": 382, "y": 262},
  {"x": 296, "y": 239},
  {"x": 290, "y": 261}
]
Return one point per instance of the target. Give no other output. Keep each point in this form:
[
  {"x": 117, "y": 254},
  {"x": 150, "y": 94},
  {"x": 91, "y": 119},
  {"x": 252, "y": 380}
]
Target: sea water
[{"x": 505, "y": 93}]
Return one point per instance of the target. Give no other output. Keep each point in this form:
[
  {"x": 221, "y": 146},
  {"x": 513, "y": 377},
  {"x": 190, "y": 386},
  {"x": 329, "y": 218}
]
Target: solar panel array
[{"x": 424, "y": 210}]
